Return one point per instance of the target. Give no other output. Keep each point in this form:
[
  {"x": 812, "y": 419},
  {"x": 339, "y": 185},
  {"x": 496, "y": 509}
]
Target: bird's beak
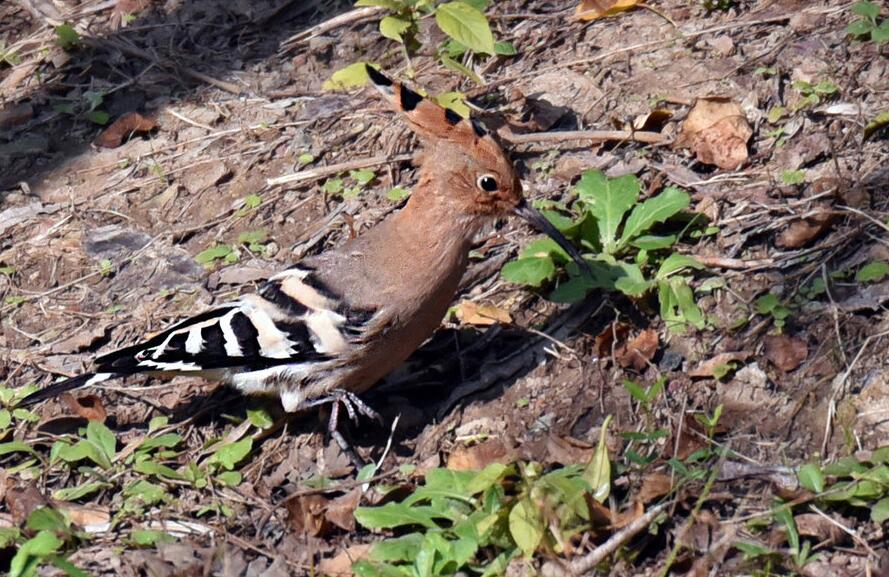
[{"x": 530, "y": 215}]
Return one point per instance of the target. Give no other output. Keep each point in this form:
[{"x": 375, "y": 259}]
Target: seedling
[
  {"x": 769, "y": 304},
  {"x": 627, "y": 243},
  {"x": 814, "y": 94},
  {"x": 867, "y": 26}
]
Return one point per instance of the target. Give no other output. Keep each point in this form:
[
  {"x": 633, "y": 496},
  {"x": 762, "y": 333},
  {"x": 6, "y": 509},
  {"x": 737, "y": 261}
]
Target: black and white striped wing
[{"x": 293, "y": 320}]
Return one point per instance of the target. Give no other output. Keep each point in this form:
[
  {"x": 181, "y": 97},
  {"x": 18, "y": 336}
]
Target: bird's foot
[{"x": 354, "y": 407}]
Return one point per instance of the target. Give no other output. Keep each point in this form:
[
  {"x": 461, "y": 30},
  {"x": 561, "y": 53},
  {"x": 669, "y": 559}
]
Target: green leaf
[
  {"x": 455, "y": 101},
  {"x": 526, "y": 526},
  {"x": 83, "y": 450},
  {"x": 393, "y": 28},
  {"x": 165, "y": 441},
  {"x": 230, "y": 478},
  {"x": 230, "y": 455},
  {"x": 333, "y": 186},
  {"x": 545, "y": 248},
  {"x": 766, "y": 303},
  {"x": 872, "y": 272},
  {"x": 252, "y": 201},
  {"x": 685, "y": 298},
  {"x": 457, "y": 67},
  {"x": 80, "y": 491},
  {"x": 7, "y": 270},
  {"x": 879, "y": 513},
  {"x": 505, "y": 49},
  {"x": 651, "y": 242},
  {"x": 42, "y": 545},
  {"x": 631, "y": 281},
  {"x": 869, "y": 10},
  {"x": 259, "y": 418},
  {"x": 102, "y": 437},
  {"x": 811, "y": 477},
  {"x": 67, "y": 37},
  {"x": 860, "y": 28},
  {"x": 305, "y": 158},
  {"x": 466, "y": 25},
  {"x": 16, "y": 447},
  {"x": 219, "y": 251},
  {"x": 792, "y": 177},
  {"x": 880, "y": 34},
  {"x": 393, "y": 515},
  {"x": 156, "y": 469},
  {"x": 397, "y": 194},
  {"x": 674, "y": 263},
  {"x": 487, "y": 477},
  {"x": 253, "y": 237},
  {"x": 5, "y": 419},
  {"x": 99, "y": 117},
  {"x": 784, "y": 515},
  {"x": 47, "y": 519},
  {"x": 882, "y": 119},
  {"x": 598, "y": 471},
  {"x": 362, "y": 177},
  {"x": 608, "y": 200},
  {"x": 529, "y": 271},
  {"x": 352, "y": 76},
  {"x": 403, "y": 549},
  {"x": 654, "y": 210},
  {"x": 150, "y": 538},
  {"x": 145, "y": 492}
]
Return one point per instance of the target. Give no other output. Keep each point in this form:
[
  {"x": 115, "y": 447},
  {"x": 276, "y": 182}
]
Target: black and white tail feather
[{"x": 290, "y": 330}]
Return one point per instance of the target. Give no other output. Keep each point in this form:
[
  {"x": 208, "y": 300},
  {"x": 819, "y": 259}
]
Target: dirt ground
[{"x": 106, "y": 246}]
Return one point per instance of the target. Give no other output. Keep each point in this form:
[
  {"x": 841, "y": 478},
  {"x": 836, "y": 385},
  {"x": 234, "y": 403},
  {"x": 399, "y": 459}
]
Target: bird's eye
[{"x": 487, "y": 183}]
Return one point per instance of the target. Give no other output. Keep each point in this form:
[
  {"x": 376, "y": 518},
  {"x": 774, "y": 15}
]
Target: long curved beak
[{"x": 530, "y": 215}]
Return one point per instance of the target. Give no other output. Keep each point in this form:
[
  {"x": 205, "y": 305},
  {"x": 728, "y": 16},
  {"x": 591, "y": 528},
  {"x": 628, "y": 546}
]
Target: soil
[{"x": 105, "y": 243}]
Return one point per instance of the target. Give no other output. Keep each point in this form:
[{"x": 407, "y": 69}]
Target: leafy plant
[
  {"x": 481, "y": 520},
  {"x": 67, "y": 37},
  {"x": 866, "y": 26},
  {"x": 872, "y": 272},
  {"x": 622, "y": 243},
  {"x": 463, "y": 22},
  {"x": 351, "y": 188},
  {"x": 223, "y": 252},
  {"x": 769, "y": 304},
  {"x": 813, "y": 94}
]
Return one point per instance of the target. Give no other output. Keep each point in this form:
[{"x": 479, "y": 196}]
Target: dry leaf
[
  {"x": 21, "y": 502},
  {"x": 479, "y": 456},
  {"x": 815, "y": 525},
  {"x": 655, "y": 485},
  {"x": 122, "y": 129},
  {"x": 340, "y": 511},
  {"x": 92, "y": 518},
  {"x": 709, "y": 367},
  {"x": 593, "y": 9},
  {"x": 306, "y": 515},
  {"x": 89, "y": 407},
  {"x": 717, "y": 130},
  {"x": 785, "y": 352},
  {"x": 638, "y": 352},
  {"x": 80, "y": 340},
  {"x": 341, "y": 564},
  {"x": 471, "y": 313},
  {"x": 568, "y": 451},
  {"x": 606, "y": 341},
  {"x": 800, "y": 232}
]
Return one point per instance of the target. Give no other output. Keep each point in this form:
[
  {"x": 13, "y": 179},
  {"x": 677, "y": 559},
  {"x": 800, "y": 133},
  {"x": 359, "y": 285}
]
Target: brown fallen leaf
[
  {"x": 692, "y": 438},
  {"x": 476, "y": 457},
  {"x": 305, "y": 515},
  {"x": 717, "y": 131},
  {"x": 815, "y": 525},
  {"x": 124, "y": 128},
  {"x": 89, "y": 407},
  {"x": 786, "y": 352},
  {"x": 81, "y": 340},
  {"x": 639, "y": 351},
  {"x": 607, "y": 341},
  {"x": 801, "y": 232},
  {"x": 22, "y": 501},
  {"x": 471, "y": 313},
  {"x": 340, "y": 511},
  {"x": 567, "y": 451},
  {"x": 341, "y": 564},
  {"x": 655, "y": 485},
  {"x": 710, "y": 367},
  {"x": 593, "y": 9},
  {"x": 92, "y": 518}
]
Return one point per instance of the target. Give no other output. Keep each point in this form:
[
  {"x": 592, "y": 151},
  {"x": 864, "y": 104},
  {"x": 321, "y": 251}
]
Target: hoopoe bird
[{"x": 329, "y": 327}]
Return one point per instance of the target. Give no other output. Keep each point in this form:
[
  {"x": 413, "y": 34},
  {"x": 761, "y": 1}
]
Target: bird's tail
[{"x": 60, "y": 387}]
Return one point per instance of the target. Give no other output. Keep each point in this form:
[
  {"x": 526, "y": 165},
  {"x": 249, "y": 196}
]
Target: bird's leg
[{"x": 354, "y": 406}]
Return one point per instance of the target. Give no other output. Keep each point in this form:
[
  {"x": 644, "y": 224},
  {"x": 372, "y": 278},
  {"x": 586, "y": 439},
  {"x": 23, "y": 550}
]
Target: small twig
[
  {"x": 600, "y": 553},
  {"x": 330, "y": 170},
  {"x": 350, "y": 17},
  {"x": 733, "y": 263},
  {"x": 592, "y": 135}
]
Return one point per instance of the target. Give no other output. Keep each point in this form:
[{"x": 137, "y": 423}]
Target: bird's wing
[{"x": 293, "y": 319}]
